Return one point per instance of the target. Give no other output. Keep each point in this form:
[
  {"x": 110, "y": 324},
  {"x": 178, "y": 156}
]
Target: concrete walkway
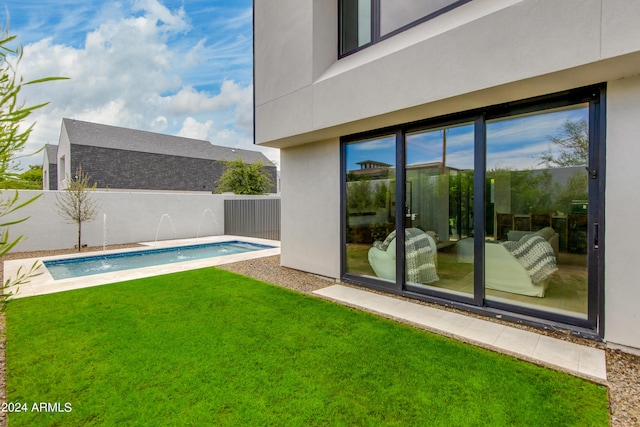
[{"x": 582, "y": 361}]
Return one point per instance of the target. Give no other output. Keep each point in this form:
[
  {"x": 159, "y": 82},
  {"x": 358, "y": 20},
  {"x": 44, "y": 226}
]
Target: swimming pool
[{"x": 99, "y": 264}]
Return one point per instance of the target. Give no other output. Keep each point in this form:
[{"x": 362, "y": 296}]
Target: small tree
[
  {"x": 75, "y": 203},
  {"x": 244, "y": 178},
  {"x": 572, "y": 141},
  {"x": 359, "y": 196}
]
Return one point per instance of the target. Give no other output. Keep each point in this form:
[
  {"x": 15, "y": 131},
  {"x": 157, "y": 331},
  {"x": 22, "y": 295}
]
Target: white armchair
[
  {"x": 382, "y": 257},
  {"x": 384, "y": 262}
]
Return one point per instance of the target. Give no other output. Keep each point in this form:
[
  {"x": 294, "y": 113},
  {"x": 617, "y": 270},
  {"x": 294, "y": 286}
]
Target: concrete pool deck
[{"x": 45, "y": 284}]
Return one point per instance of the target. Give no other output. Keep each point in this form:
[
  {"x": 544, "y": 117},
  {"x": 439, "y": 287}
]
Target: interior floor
[{"x": 566, "y": 292}]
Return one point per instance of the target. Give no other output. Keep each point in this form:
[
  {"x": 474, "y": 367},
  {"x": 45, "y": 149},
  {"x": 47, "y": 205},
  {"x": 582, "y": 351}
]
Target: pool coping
[{"x": 44, "y": 283}]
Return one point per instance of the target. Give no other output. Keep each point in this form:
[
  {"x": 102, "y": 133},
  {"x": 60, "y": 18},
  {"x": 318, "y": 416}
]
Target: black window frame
[
  {"x": 593, "y": 326},
  {"x": 375, "y": 36}
]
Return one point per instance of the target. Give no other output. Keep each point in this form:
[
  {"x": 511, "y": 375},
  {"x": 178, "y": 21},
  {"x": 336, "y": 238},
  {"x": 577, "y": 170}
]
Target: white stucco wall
[
  {"x": 131, "y": 217},
  {"x": 622, "y": 277},
  {"x": 45, "y": 170},
  {"x": 291, "y": 19},
  {"x": 310, "y": 233},
  {"x": 482, "y": 53},
  {"x": 64, "y": 157}
]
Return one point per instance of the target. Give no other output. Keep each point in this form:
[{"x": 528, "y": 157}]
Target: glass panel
[
  {"x": 536, "y": 227},
  {"x": 439, "y": 209},
  {"x": 396, "y": 14},
  {"x": 356, "y": 24},
  {"x": 371, "y": 208}
]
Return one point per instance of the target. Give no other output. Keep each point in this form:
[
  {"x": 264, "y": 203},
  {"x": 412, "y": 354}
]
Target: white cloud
[
  {"x": 238, "y": 21},
  {"x": 133, "y": 71},
  {"x": 195, "y": 54},
  {"x": 172, "y": 21},
  {"x": 376, "y": 144},
  {"x": 225, "y": 136},
  {"x": 188, "y": 100},
  {"x": 191, "y": 128},
  {"x": 159, "y": 124},
  {"x": 233, "y": 105}
]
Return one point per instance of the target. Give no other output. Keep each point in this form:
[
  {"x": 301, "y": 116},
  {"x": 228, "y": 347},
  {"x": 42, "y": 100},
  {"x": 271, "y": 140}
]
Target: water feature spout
[
  {"x": 214, "y": 220},
  {"x": 104, "y": 233},
  {"x": 160, "y": 223}
]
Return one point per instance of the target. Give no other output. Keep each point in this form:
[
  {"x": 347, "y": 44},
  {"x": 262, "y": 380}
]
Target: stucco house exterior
[
  {"x": 128, "y": 159},
  {"x": 508, "y": 134},
  {"x": 50, "y": 167}
]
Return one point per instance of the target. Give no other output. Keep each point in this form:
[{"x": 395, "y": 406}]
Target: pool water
[{"x": 99, "y": 264}]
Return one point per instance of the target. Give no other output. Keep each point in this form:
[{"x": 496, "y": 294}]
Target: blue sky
[
  {"x": 176, "y": 67},
  {"x": 515, "y": 143}
]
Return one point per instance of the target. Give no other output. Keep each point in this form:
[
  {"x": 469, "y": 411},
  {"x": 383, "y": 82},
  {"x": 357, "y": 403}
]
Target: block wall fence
[{"x": 123, "y": 217}]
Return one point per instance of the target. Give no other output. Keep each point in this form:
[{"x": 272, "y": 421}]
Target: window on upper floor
[{"x": 365, "y": 22}]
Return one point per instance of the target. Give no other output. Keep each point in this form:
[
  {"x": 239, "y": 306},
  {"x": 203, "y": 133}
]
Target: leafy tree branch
[
  {"x": 572, "y": 143},
  {"x": 244, "y": 178},
  {"x": 13, "y": 137}
]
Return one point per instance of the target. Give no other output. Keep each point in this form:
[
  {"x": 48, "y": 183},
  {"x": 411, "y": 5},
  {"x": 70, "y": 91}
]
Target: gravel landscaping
[{"x": 623, "y": 369}]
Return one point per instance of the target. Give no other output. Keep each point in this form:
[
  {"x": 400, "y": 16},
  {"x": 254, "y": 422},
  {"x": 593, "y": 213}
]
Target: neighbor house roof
[
  {"x": 52, "y": 153},
  {"x": 373, "y": 163},
  {"x": 117, "y": 138}
]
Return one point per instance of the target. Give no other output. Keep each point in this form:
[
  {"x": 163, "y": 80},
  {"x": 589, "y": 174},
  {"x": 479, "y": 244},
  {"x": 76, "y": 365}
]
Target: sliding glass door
[
  {"x": 498, "y": 208},
  {"x": 536, "y": 230},
  {"x": 439, "y": 210},
  {"x": 370, "y": 208}
]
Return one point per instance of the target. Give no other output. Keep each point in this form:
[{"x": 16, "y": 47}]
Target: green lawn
[{"x": 209, "y": 347}]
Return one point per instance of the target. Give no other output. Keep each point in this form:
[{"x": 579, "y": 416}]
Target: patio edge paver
[{"x": 578, "y": 360}]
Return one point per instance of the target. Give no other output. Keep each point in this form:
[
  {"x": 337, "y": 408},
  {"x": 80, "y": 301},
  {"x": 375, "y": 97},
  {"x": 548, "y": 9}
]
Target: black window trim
[
  {"x": 375, "y": 36},
  {"x": 593, "y": 326}
]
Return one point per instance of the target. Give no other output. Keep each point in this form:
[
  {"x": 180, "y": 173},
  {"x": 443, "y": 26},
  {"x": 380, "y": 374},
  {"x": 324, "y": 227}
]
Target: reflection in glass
[
  {"x": 536, "y": 211},
  {"x": 355, "y": 24},
  {"x": 370, "y": 205},
  {"x": 395, "y": 14},
  {"x": 439, "y": 209}
]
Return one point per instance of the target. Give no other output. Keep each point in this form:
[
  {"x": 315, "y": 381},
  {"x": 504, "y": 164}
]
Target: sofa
[
  {"x": 548, "y": 233},
  {"x": 509, "y": 266},
  {"x": 421, "y": 252}
]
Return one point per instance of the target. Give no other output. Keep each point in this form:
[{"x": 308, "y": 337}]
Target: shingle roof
[
  {"x": 105, "y": 136},
  {"x": 374, "y": 163},
  {"x": 52, "y": 153}
]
